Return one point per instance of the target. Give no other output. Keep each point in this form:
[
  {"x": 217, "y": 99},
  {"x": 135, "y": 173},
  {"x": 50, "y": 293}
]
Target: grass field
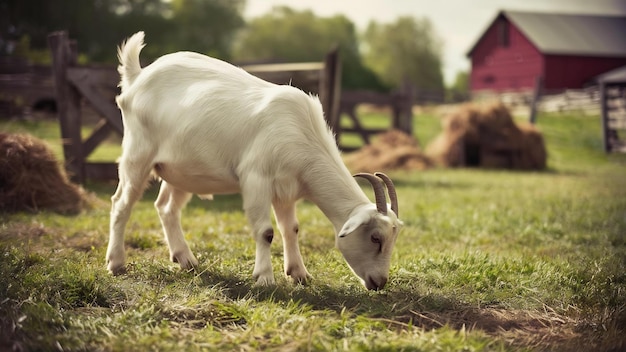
[{"x": 488, "y": 261}]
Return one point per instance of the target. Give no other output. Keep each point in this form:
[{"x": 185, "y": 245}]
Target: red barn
[{"x": 567, "y": 51}]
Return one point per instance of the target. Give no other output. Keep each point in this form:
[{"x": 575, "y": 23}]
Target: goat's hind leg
[
  {"x": 169, "y": 204},
  {"x": 133, "y": 176}
]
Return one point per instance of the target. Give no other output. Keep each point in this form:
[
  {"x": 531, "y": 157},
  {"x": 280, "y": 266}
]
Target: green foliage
[
  {"x": 291, "y": 35},
  {"x": 487, "y": 260},
  {"x": 288, "y": 35},
  {"x": 23, "y": 48},
  {"x": 405, "y": 49},
  {"x": 206, "y": 26},
  {"x": 459, "y": 91}
]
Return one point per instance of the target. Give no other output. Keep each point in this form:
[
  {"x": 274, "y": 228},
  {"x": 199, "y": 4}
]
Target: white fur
[{"x": 207, "y": 127}]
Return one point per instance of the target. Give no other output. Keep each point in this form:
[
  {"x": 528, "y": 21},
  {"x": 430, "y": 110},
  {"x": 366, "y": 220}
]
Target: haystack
[
  {"x": 31, "y": 179},
  {"x": 391, "y": 150},
  {"x": 486, "y": 136}
]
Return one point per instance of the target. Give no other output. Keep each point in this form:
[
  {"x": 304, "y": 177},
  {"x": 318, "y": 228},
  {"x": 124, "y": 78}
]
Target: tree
[
  {"x": 302, "y": 36},
  {"x": 405, "y": 49},
  {"x": 206, "y": 26},
  {"x": 98, "y": 26},
  {"x": 459, "y": 90}
]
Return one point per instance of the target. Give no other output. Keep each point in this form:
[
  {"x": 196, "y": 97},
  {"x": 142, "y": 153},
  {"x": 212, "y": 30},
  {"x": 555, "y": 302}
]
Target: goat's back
[{"x": 204, "y": 114}]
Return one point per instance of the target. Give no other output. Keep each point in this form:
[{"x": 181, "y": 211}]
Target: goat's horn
[
  {"x": 379, "y": 191},
  {"x": 391, "y": 189}
]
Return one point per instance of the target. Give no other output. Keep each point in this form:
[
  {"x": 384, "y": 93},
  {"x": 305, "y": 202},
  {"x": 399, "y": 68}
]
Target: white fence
[{"x": 585, "y": 100}]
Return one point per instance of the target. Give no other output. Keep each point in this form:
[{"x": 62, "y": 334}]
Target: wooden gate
[
  {"x": 400, "y": 101},
  {"x": 72, "y": 83},
  {"x": 613, "y": 109}
]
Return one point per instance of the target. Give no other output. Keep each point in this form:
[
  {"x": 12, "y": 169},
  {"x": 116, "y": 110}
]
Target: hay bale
[
  {"x": 486, "y": 136},
  {"x": 31, "y": 179},
  {"x": 534, "y": 154},
  {"x": 447, "y": 150},
  {"x": 391, "y": 150}
]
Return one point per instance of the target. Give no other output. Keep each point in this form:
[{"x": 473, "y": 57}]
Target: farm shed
[
  {"x": 567, "y": 51},
  {"x": 613, "y": 101}
]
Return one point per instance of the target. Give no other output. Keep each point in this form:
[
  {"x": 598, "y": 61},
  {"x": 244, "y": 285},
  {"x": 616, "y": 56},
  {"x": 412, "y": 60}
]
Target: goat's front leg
[
  {"x": 256, "y": 203},
  {"x": 285, "y": 214},
  {"x": 169, "y": 204}
]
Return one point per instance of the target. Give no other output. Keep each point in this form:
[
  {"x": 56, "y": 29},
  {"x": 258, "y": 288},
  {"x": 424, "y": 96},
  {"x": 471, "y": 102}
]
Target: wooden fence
[
  {"x": 607, "y": 97},
  {"x": 586, "y": 100},
  {"x": 97, "y": 86},
  {"x": 400, "y": 102},
  {"x": 73, "y": 83},
  {"x": 24, "y": 86}
]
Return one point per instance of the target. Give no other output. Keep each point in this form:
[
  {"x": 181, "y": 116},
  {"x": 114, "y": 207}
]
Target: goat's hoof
[
  {"x": 115, "y": 259},
  {"x": 187, "y": 260},
  {"x": 302, "y": 280},
  {"x": 116, "y": 269},
  {"x": 264, "y": 280},
  {"x": 299, "y": 276}
]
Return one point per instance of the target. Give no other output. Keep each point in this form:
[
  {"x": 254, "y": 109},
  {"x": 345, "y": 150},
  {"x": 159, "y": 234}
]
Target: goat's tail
[{"x": 128, "y": 55}]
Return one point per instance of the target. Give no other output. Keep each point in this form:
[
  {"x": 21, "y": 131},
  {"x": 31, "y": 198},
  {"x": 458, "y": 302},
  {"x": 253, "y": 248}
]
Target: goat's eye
[{"x": 376, "y": 239}]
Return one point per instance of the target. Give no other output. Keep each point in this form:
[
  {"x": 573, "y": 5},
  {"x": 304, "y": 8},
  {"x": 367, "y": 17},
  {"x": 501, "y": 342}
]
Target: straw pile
[
  {"x": 486, "y": 136},
  {"x": 391, "y": 150},
  {"x": 31, "y": 179}
]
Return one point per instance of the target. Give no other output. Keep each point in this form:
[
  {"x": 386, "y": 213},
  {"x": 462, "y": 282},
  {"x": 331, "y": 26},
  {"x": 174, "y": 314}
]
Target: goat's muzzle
[{"x": 375, "y": 284}]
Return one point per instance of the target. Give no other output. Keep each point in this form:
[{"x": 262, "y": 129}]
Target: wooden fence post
[
  {"x": 604, "y": 117},
  {"x": 536, "y": 97},
  {"x": 330, "y": 90},
  {"x": 68, "y": 104},
  {"x": 404, "y": 118}
]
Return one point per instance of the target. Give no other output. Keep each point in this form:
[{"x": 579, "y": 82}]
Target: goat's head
[{"x": 367, "y": 239}]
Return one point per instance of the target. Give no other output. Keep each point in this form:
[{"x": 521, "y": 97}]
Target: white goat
[{"x": 207, "y": 127}]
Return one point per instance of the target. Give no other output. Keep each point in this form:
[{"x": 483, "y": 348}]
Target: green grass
[
  {"x": 49, "y": 131},
  {"x": 488, "y": 260}
]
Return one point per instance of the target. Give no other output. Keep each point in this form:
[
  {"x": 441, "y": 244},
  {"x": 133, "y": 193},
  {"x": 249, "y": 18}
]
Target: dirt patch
[
  {"x": 22, "y": 231},
  {"x": 541, "y": 330},
  {"x": 392, "y": 150},
  {"x": 486, "y": 136},
  {"x": 31, "y": 179},
  {"x": 42, "y": 239}
]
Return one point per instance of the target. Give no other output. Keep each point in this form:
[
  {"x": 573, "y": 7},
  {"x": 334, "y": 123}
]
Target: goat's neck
[{"x": 336, "y": 193}]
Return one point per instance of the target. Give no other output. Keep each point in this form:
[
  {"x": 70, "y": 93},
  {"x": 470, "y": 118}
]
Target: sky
[{"x": 459, "y": 23}]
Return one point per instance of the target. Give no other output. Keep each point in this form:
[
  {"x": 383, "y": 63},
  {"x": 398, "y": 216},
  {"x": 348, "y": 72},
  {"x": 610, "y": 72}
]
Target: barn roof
[
  {"x": 617, "y": 75},
  {"x": 570, "y": 34}
]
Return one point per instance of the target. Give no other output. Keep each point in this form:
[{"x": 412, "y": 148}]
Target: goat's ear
[{"x": 356, "y": 220}]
